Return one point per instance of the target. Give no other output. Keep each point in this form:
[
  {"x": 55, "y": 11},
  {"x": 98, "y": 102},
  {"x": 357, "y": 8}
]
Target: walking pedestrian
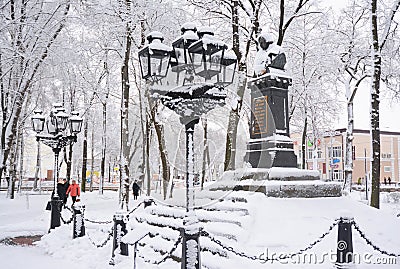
[
  {"x": 74, "y": 190},
  {"x": 135, "y": 190},
  {"x": 61, "y": 191}
]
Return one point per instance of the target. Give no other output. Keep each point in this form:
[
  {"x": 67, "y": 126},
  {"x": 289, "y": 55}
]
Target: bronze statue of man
[{"x": 269, "y": 55}]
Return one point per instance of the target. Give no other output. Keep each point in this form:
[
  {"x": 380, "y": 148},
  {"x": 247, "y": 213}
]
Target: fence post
[
  {"x": 120, "y": 221},
  {"x": 345, "y": 242},
  {"x": 55, "y": 220},
  {"x": 190, "y": 242},
  {"x": 79, "y": 225},
  {"x": 134, "y": 255}
]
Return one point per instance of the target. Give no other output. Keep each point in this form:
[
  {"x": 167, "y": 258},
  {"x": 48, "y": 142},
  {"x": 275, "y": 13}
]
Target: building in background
[{"x": 327, "y": 154}]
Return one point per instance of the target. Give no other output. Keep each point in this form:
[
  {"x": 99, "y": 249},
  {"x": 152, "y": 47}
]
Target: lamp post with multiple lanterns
[
  {"x": 57, "y": 138},
  {"x": 190, "y": 79}
]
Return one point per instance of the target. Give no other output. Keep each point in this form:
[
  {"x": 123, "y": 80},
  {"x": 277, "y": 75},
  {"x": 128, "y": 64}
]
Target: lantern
[
  {"x": 38, "y": 121},
  {"x": 206, "y": 53},
  {"x": 61, "y": 119},
  {"x": 181, "y": 45},
  {"x": 75, "y": 123},
  {"x": 154, "y": 58},
  {"x": 228, "y": 66}
]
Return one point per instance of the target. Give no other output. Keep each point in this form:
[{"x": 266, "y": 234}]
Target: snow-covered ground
[{"x": 272, "y": 226}]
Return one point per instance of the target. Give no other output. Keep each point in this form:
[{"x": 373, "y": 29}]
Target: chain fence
[
  {"x": 134, "y": 209},
  {"x": 168, "y": 255},
  {"x": 369, "y": 242},
  {"x": 70, "y": 219},
  {"x": 110, "y": 235},
  {"x": 281, "y": 257}
]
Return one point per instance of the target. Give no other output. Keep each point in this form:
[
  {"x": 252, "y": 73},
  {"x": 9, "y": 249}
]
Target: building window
[
  {"x": 335, "y": 152},
  {"x": 337, "y": 175},
  {"x": 309, "y": 154},
  {"x": 387, "y": 169},
  {"x": 386, "y": 155},
  {"x": 319, "y": 153}
]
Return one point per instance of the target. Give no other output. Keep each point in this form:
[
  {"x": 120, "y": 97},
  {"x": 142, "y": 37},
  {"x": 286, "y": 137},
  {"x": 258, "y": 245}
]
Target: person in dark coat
[
  {"x": 135, "y": 190},
  {"x": 61, "y": 190},
  {"x": 66, "y": 186}
]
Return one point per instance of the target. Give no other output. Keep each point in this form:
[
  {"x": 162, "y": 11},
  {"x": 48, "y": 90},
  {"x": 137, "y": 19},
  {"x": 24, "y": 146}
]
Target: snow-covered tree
[
  {"x": 380, "y": 34},
  {"x": 28, "y": 33},
  {"x": 354, "y": 53}
]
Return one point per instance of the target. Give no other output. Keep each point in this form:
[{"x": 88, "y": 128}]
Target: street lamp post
[
  {"x": 195, "y": 84},
  {"x": 57, "y": 138}
]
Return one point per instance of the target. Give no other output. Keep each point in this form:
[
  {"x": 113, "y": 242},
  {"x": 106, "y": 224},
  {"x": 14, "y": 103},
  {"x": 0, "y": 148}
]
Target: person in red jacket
[{"x": 74, "y": 191}]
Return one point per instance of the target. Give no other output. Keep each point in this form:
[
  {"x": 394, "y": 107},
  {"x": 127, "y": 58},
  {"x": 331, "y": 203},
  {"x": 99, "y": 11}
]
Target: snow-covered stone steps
[
  {"x": 225, "y": 230},
  {"x": 159, "y": 221},
  {"x": 165, "y": 233},
  {"x": 221, "y": 216},
  {"x": 227, "y": 208},
  {"x": 153, "y": 253},
  {"x": 203, "y": 216},
  {"x": 221, "y": 195},
  {"x": 207, "y": 245},
  {"x": 211, "y": 261}
]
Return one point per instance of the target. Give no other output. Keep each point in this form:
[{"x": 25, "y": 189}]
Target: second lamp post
[
  {"x": 200, "y": 70},
  {"x": 57, "y": 138}
]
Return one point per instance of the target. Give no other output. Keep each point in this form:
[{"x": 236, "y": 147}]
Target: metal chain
[
  {"x": 130, "y": 212},
  {"x": 110, "y": 235},
  {"x": 282, "y": 257},
  {"x": 230, "y": 249},
  {"x": 71, "y": 219},
  {"x": 167, "y": 255},
  {"x": 98, "y": 222},
  {"x": 369, "y": 242},
  {"x": 316, "y": 241}
]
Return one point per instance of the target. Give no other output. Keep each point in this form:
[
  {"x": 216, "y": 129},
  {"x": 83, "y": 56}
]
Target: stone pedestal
[{"x": 270, "y": 144}]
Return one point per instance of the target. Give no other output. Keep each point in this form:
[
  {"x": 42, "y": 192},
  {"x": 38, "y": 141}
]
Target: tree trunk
[
  {"x": 303, "y": 144},
  {"x": 206, "y": 160},
  {"x": 21, "y": 159},
  {"x": 125, "y": 111},
  {"x": 375, "y": 132},
  {"x": 162, "y": 150},
  {"x": 91, "y": 160},
  {"x": 13, "y": 172},
  {"x": 103, "y": 148},
  {"x": 84, "y": 156},
  {"x": 348, "y": 168}
]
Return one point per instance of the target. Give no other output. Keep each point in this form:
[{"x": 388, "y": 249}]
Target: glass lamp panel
[
  {"x": 144, "y": 63},
  {"x": 51, "y": 128},
  {"x": 180, "y": 55},
  {"x": 164, "y": 61},
  {"x": 38, "y": 123},
  {"x": 76, "y": 126},
  {"x": 197, "y": 61},
  {"x": 214, "y": 62},
  {"x": 228, "y": 66},
  {"x": 61, "y": 120}
]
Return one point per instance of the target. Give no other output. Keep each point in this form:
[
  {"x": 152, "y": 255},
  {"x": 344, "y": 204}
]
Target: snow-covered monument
[{"x": 270, "y": 150}]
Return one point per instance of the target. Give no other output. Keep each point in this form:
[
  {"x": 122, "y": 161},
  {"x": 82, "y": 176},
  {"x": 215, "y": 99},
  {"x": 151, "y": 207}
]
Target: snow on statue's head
[{"x": 265, "y": 38}]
